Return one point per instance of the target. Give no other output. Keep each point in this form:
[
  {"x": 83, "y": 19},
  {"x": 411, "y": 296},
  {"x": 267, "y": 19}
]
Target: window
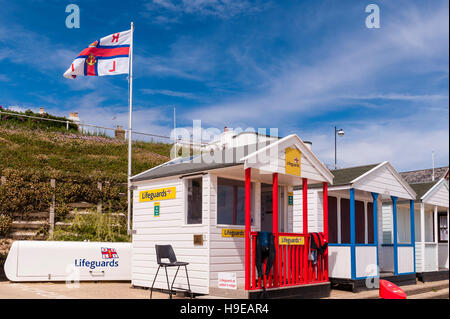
[
  {"x": 332, "y": 220},
  {"x": 360, "y": 223},
  {"x": 370, "y": 229},
  {"x": 345, "y": 221},
  {"x": 231, "y": 202},
  {"x": 194, "y": 200},
  {"x": 443, "y": 228}
]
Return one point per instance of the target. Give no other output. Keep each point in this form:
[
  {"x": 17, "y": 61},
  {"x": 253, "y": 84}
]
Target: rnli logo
[
  {"x": 109, "y": 253},
  {"x": 91, "y": 60}
]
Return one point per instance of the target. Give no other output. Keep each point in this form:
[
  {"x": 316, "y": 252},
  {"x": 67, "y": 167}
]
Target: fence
[{"x": 291, "y": 266}]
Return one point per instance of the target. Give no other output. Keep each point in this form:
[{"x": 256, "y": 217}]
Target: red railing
[{"x": 291, "y": 266}]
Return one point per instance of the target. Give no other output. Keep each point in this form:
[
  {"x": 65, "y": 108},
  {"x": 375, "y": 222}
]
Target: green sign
[
  {"x": 156, "y": 210},
  {"x": 290, "y": 198}
]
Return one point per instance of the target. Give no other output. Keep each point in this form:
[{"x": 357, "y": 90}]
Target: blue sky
[{"x": 299, "y": 66}]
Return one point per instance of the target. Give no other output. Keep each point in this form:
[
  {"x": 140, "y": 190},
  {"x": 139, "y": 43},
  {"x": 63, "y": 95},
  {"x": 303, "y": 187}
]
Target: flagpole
[{"x": 130, "y": 79}]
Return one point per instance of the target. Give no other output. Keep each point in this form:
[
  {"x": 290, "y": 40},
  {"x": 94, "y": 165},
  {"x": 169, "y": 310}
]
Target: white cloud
[
  {"x": 220, "y": 8},
  {"x": 185, "y": 95}
]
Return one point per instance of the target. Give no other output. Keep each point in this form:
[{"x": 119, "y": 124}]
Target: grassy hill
[
  {"x": 24, "y": 147},
  {"x": 32, "y": 152}
]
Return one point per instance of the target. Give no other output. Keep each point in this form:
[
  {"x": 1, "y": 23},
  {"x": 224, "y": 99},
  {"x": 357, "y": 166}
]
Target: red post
[
  {"x": 325, "y": 210},
  {"x": 305, "y": 205},
  {"x": 325, "y": 227},
  {"x": 275, "y": 222},
  {"x": 248, "y": 221}
]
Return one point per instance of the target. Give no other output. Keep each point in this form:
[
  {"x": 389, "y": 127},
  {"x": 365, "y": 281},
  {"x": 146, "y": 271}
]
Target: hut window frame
[
  {"x": 189, "y": 219},
  {"x": 442, "y": 226},
  {"x": 253, "y": 193}
]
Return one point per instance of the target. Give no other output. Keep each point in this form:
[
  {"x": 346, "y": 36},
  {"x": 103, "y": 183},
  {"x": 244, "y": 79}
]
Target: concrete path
[
  {"x": 85, "y": 290},
  {"x": 437, "y": 289}
]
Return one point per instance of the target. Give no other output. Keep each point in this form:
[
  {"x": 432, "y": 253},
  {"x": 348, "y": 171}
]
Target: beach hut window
[
  {"x": 194, "y": 200},
  {"x": 360, "y": 223},
  {"x": 443, "y": 228},
  {"x": 332, "y": 220},
  {"x": 370, "y": 230},
  {"x": 403, "y": 225},
  {"x": 231, "y": 202},
  {"x": 345, "y": 221}
]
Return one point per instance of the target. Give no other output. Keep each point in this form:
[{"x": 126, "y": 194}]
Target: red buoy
[{"x": 390, "y": 291}]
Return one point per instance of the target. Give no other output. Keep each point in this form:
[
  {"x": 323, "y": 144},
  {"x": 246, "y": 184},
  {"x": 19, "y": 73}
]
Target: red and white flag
[{"x": 108, "y": 56}]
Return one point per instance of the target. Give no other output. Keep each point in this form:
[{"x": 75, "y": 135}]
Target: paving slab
[
  {"x": 85, "y": 290},
  {"x": 410, "y": 290}
]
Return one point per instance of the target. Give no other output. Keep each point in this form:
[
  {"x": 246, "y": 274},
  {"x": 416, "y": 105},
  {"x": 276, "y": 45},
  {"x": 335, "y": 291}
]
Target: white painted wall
[
  {"x": 419, "y": 257},
  {"x": 169, "y": 228},
  {"x": 227, "y": 254},
  {"x": 387, "y": 258},
  {"x": 383, "y": 181},
  {"x": 431, "y": 250},
  {"x": 405, "y": 256},
  {"x": 339, "y": 262},
  {"x": 439, "y": 197},
  {"x": 366, "y": 261},
  {"x": 443, "y": 255}
]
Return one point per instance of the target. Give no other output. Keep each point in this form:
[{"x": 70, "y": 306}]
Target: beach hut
[
  {"x": 431, "y": 228},
  {"x": 211, "y": 208},
  {"x": 355, "y": 251}
]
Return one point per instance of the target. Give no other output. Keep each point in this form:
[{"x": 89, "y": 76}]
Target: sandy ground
[{"x": 85, "y": 290}]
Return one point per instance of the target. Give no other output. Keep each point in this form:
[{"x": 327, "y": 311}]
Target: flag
[{"x": 108, "y": 56}]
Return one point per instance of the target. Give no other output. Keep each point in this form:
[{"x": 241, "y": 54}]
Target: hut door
[{"x": 267, "y": 208}]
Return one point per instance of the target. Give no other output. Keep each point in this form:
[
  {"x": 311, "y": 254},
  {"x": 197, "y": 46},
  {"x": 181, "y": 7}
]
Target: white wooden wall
[
  {"x": 419, "y": 257},
  {"x": 405, "y": 256},
  {"x": 315, "y": 211},
  {"x": 228, "y": 254},
  {"x": 366, "y": 261},
  {"x": 387, "y": 258},
  {"x": 339, "y": 262},
  {"x": 169, "y": 228},
  {"x": 439, "y": 197},
  {"x": 278, "y": 164},
  {"x": 443, "y": 255},
  {"x": 383, "y": 181}
]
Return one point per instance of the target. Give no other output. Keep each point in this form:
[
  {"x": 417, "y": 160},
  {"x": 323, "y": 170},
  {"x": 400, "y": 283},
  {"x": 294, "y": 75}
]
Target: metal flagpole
[{"x": 130, "y": 79}]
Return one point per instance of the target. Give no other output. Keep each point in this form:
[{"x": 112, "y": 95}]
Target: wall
[{"x": 169, "y": 228}]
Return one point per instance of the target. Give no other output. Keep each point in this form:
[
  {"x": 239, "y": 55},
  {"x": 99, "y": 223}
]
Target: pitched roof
[
  {"x": 424, "y": 175},
  {"x": 199, "y": 163},
  {"x": 422, "y": 188},
  {"x": 344, "y": 176}
]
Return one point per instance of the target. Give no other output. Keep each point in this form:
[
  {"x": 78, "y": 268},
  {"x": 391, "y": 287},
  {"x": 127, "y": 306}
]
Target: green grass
[{"x": 22, "y": 148}]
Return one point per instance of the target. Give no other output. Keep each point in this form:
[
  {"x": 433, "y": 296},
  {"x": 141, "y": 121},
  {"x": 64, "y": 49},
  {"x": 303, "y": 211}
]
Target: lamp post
[{"x": 337, "y": 132}]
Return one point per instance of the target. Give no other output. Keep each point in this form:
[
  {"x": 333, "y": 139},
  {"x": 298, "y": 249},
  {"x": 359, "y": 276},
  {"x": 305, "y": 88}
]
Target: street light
[{"x": 339, "y": 132}]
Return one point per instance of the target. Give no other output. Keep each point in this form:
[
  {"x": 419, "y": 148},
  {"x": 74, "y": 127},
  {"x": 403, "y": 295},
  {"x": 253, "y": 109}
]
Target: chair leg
[
  {"x": 151, "y": 289},
  {"x": 173, "y": 281},
  {"x": 168, "y": 287},
  {"x": 187, "y": 277}
]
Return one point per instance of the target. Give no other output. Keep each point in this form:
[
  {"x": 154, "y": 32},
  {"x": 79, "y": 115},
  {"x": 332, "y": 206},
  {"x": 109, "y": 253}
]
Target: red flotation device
[{"x": 390, "y": 291}]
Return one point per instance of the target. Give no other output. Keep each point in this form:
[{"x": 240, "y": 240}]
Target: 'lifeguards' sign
[
  {"x": 157, "y": 194},
  {"x": 293, "y": 161},
  {"x": 291, "y": 240},
  {"x": 233, "y": 232}
]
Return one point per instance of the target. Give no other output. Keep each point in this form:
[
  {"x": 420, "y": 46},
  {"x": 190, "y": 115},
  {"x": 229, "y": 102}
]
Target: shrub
[
  {"x": 94, "y": 227},
  {"x": 5, "y": 224}
]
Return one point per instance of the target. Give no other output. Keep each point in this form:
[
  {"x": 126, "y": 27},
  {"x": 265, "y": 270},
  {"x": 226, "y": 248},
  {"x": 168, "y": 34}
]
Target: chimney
[
  {"x": 71, "y": 114},
  {"x": 41, "y": 110},
  {"x": 308, "y": 145},
  {"x": 119, "y": 133},
  {"x": 225, "y": 129},
  {"x": 75, "y": 114}
]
